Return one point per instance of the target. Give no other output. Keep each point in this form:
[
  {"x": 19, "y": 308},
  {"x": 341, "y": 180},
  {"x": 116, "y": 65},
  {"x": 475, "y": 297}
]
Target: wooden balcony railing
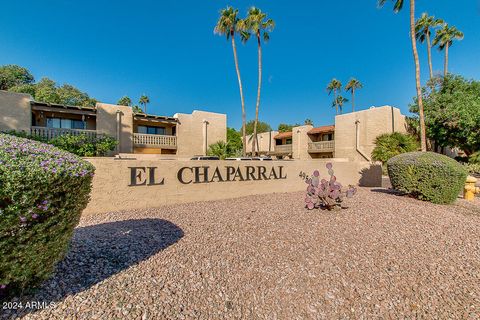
[
  {"x": 283, "y": 149},
  {"x": 154, "y": 140},
  {"x": 50, "y": 133},
  {"x": 321, "y": 146}
]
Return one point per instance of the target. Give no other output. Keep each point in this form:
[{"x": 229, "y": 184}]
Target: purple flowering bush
[
  {"x": 326, "y": 194},
  {"x": 43, "y": 191}
]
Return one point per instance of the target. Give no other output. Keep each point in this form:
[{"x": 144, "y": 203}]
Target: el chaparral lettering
[{"x": 146, "y": 176}]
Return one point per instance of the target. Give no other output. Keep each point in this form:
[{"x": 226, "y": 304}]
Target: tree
[
  {"x": 137, "y": 109},
  {"x": 334, "y": 86},
  {"x": 234, "y": 140},
  {"x": 308, "y": 122},
  {"x": 397, "y": 7},
  {"x": 144, "y": 100},
  {"x": 227, "y": 26},
  {"x": 423, "y": 28},
  {"x": 257, "y": 23},
  {"x": 69, "y": 95},
  {"x": 12, "y": 75},
  {"x": 124, "y": 101},
  {"x": 46, "y": 91},
  {"x": 219, "y": 149},
  {"x": 339, "y": 102},
  {"x": 24, "y": 88},
  {"x": 388, "y": 145},
  {"x": 352, "y": 86},
  {"x": 261, "y": 127},
  {"x": 452, "y": 112},
  {"x": 283, "y": 127},
  {"x": 444, "y": 39}
]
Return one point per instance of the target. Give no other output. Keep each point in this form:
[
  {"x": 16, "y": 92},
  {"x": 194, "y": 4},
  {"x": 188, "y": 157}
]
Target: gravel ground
[{"x": 266, "y": 257}]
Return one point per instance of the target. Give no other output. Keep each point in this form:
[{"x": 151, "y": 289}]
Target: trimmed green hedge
[
  {"x": 43, "y": 191},
  {"x": 427, "y": 176}
]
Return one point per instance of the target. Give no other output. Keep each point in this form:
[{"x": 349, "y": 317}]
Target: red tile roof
[
  {"x": 282, "y": 135},
  {"x": 323, "y": 129}
]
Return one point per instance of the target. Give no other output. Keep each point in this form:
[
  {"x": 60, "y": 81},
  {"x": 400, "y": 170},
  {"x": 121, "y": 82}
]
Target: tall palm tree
[
  {"x": 339, "y": 102},
  {"x": 423, "y": 31},
  {"x": 444, "y": 39},
  {"x": 227, "y": 26},
  {"x": 398, "y": 5},
  {"x": 144, "y": 100},
  {"x": 260, "y": 26},
  {"x": 334, "y": 86},
  {"x": 352, "y": 86}
]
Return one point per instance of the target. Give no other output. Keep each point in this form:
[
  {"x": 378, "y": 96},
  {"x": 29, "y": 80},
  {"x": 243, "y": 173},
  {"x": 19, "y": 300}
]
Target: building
[
  {"x": 182, "y": 135},
  {"x": 352, "y": 136}
]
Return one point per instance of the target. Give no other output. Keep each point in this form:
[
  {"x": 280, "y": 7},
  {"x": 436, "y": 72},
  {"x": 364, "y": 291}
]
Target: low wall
[{"x": 136, "y": 184}]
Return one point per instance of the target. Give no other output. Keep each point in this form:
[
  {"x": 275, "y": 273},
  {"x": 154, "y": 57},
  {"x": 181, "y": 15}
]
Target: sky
[{"x": 167, "y": 50}]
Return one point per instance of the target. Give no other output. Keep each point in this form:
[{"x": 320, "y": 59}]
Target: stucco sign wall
[{"x": 135, "y": 184}]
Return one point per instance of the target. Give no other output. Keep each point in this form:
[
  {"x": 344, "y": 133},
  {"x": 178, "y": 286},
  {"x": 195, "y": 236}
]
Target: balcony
[
  {"x": 321, "y": 146},
  {"x": 51, "y": 133},
  {"x": 283, "y": 149},
  {"x": 143, "y": 140}
]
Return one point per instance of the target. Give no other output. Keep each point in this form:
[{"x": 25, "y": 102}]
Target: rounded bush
[
  {"x": 43, "y": 191},
  {"x": 427, "y": 176}
]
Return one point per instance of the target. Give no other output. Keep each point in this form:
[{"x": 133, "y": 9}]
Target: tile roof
[
  {"x": 323, "y": 129},
  {"x": 282, "y": 135}
]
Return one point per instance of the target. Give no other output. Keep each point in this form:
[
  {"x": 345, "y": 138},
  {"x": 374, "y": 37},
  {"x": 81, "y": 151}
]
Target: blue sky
[{"x": 167, "y": 50}]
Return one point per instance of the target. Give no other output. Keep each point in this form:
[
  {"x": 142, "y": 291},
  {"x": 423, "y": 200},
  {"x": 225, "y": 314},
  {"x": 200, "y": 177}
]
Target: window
[
  {"x": 65, "y": 123},
  {"x": 288, "y": 141},
  {"x": 151, "y": 130}
]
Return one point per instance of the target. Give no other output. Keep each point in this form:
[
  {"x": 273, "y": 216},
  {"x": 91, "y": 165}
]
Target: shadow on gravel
[
  {"x": 389, "y": 191},
  {"x": 100, "y": 251}
]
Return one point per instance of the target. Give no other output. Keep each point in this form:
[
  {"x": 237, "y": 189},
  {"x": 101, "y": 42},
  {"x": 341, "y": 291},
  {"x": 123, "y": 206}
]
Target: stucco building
[
  {"x": 182, "y": 135},
  {"x": 352, "y": 136}
]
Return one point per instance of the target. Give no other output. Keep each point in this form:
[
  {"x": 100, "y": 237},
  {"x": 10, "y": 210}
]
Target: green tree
[
  {"x": 334, "y": 86},
  {"x": 234, "y": 140},
  {"x": 144, "y": 100},
  {"x": 227, "y": 26},
  {"x": 423, "y": 31},
  {"x": 124, "y": 101},
  {"x": 261, "y": 127},
  {"x": 12, "y": 75},
  {"x": 29, "y": 88},
  {"x": 137, "y": 109},
  {"x": 389, "y": 145},
  {"x": 69, "y": 95},
  {"x": 339, "y": 102},
  {"x": 351, "y": 87},
  {"x": 46, "y": 91},
  {"x": 219, "y": 149},
  {"x": 284, "y": 127},
  {"x": 397, "y": 7},
  {"x": 260, "y": 26},
  {"x": 452, "y": 112},
  {"x": 308, "y": 122},
  {"x": 444, "y": 39}
]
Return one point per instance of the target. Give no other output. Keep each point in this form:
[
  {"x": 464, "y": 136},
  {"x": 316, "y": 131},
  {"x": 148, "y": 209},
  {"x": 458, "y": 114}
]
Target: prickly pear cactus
[{"x": 325, "y": 194}]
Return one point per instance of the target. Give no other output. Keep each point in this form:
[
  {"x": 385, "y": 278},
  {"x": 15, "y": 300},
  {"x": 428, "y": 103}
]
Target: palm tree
[
  {"x": 334, "y": 86},
  {"x": 444, "y": 39},
  {"x": 257, "y": 24},
  {"x": 144, "y": 100},
  {"x": 124, "y": 101},
  {"x": 339, "y": 102},
  {"x": 398, "y": 5},
  {"x": 352, "y": 86},
  {"x": 227, "y": 26},
  {"x": 308, "y": 122},
  {"x": 423, "y": 28}
]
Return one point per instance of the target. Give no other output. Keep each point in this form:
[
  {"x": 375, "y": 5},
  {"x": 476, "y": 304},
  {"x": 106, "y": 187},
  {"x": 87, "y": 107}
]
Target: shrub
[
  {"x": 389, "y": 145},
  {"x": 81, "y": 145},
  {"x": 472, "y": 168},
  {"x": 427, "y": 176},
  {"x": 325, "y": 194},
  {"x": 474, "y": 158},
  {"x": 43, "y": 192}
]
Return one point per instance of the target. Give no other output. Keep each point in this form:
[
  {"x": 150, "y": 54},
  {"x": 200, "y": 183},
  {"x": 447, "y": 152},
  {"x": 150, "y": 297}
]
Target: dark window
[
  {"x": 288, "y": 141},
  {"x": 151, "y": 130},
  {"x": 65, "y": 123}
]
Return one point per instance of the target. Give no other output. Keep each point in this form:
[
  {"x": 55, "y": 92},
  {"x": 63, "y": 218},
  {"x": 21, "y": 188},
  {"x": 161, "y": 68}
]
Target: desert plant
[
  {"x": 427, "y": 176},
  {"x": 325, "y": 194},
  {"x": 43, "y": 193},
  {"x": 389, "y": 145}
]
